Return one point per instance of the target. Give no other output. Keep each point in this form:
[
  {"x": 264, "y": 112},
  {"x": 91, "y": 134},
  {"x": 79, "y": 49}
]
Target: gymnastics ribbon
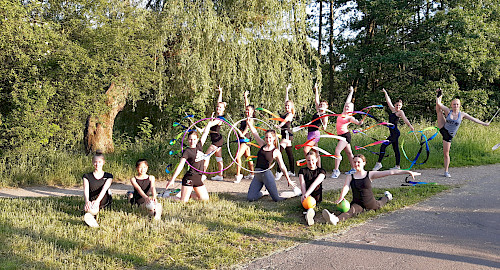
[
  {"x": 295, "y": 129},
  {"x": 425, "y": 141},
  {"x": 371, "y": 144},
  {"x": 269, "y": 112},
  {"x": 301, "y": 162},
  {"x": 298, "y": 146},
  {"x": 251, "y": 158},
  {"x": 206, "y": 156},
  {"x": 326, "y": 154}
]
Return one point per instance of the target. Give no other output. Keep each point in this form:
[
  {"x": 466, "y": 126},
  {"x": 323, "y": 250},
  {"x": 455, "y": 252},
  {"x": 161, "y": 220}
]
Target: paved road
[{"x": 459, "y": 229}]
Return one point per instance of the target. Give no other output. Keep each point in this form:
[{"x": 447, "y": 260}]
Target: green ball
[{"x": 344, "y": 206}]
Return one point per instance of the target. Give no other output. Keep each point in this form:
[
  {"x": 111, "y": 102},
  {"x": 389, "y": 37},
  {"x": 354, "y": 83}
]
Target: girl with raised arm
[
  {"x": 267, "y": 154},
  {"x": 313, "y": 132},
  {"x": 287, "y": 135},
  {"x": 448, "y": 126},
  {"x": 193, "y": 179},
  {"x": 244, "y": 132},
  {"x": 216, "y": 138},
  {"x": 394, "y": 116},
  {"x": 342, "y": 122},
  {"x": 96, "y": 190},
  {"x": 361, "y": 185}
]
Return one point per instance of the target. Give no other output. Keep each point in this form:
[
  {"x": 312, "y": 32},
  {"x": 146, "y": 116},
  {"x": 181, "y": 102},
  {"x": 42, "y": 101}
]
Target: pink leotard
[{"x": 342, "y": 123}]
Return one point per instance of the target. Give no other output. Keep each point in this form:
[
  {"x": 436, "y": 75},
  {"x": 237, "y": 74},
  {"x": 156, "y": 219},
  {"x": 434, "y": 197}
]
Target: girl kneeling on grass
[
  {"x": 361, "y": 185},
  {"x": 268, "y": 153},
  {"x": 96, "y": 190},
  {"x": 311, "y": 179},
  {"x": 193, "y": 179},
  {"x": 144, "y": 184}
]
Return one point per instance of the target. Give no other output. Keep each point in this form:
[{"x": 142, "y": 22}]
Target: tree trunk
[
  {"x": 331, "y": 54},
  {"x": 320, "y": 37},
  {"x": 98, "y": 134}
]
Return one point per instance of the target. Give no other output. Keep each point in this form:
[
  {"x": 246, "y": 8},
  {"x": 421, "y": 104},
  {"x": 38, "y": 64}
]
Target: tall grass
[
  {"x": 49, "y": 233},
  {"x": 471, "y": 146}
]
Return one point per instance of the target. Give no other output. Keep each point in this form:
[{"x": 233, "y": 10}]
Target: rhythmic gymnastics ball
[
  {"x": 309, "y": 202},
  {"x": 150, "y": 206},
  {"x": 344, "y": 206}
]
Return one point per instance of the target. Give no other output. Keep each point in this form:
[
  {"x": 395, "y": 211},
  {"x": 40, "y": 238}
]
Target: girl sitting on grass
[
  {"x": 96, "y": 190},
  {"x": 311, "y": 179},
  {"x": 361, "y": 185},
  {"x": 144, "y": 184}
]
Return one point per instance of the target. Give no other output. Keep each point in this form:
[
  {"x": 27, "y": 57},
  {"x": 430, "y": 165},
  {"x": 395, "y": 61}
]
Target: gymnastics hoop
[
  {"x": 229, "y": 147},
  {"x": 192, "y": 125}
]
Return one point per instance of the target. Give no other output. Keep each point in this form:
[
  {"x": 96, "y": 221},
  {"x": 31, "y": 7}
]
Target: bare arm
[
  {"x": 277, "y": 156},
  {"x": 349, "y": 97},
  {"x": 219, "y": 99},
  {"x": 259, "y": 140},
  {"x": 246, "y": 98},
  {"x": 403, "y": 116},
  {"x": 380, "y": 174},
  {"x": 345, "y": 188},
  {"x": 177, "y": 172},
  {"x": 475, "y": 120},
  {"x": 316, "y": 96},
  {"x": 86, "y": 192},
  {"x": 355, "y": 121},
  {"x": 388, "y": 100},
  {"x": 287, "y": 89},
  {"x": 206, "y": 130},
  {"x": 153, "y": 187},
  {"x": 313, "y": 186},
  {"x": 104, "y": 190},
  {"x": 288, "y": 118}
]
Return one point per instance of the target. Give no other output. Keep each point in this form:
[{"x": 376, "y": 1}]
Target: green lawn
[{"x": 48, "y": 233}]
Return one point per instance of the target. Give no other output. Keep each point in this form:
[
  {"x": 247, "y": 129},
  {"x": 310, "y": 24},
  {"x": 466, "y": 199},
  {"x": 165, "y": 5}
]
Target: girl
[
  {"x": 342, "y": 130},
  {"x": 448, "y": 126},
  {"x": 311, "y": 179},
  {"x": 216, "y": 138},
  {"x": 265, "y": 157},
  {"x": 313, "y": 132},
  {"x": 193, "y": 179},
  {"x": 361, "y": 185},
  {"x": 287, "y": 135},
  {"x": 144, "y": 184},
  {"x": 244, "y": 131},
  {"x": 394, "y": 116},
  {"x": 96, "y": 190}
]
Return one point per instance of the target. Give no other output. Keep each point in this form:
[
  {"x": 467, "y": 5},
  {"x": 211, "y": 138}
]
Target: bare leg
[
  {"x": 186, "y": 193},
  {"x": 348, "y": 151},
  {"x": 243, "y": 150},
  {"x": 440, "y": 116},
  {"x": 202, "y": 193},
  {"x": 218, "y": 154},
  {"x": 446, "y": 153},
  {"x": 338, "y": 152}
]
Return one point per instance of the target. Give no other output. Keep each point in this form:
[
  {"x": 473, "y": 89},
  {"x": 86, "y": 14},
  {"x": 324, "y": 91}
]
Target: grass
[
  {"x": 471, "y": 146},
  {"x": 48, "y": 233}
]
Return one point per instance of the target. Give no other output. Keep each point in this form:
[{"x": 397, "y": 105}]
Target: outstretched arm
[
  {"x": 349, "y": 97},
  {"x": 246, "y": 98},
  {"x": 287, "y": 89},
  {"x": 475, "y": 120},
  {"x": 220, "y": 93},
  {"x": 177, "y": 172},
  {"x": 206, "y": 130},
  {"x": 380, "y": 174},
  {"x": 259, "y": 140},
  {"x": 316, "y": 96},
  {"x": 388, "y": 100}
]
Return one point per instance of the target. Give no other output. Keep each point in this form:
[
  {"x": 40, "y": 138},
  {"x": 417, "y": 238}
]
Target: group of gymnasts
[{"x": 97, "y": 183}]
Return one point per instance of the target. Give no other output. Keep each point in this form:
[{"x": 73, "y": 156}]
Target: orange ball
[{"x": 309, "y": 202}]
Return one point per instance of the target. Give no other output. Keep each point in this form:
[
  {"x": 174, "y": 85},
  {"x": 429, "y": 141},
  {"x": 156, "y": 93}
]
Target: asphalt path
[{"x": 458, "y": 229}]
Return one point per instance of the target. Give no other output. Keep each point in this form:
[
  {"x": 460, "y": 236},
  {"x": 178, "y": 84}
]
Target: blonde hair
[
  {"x": 361, "y": 156},
  {"x": 293, "y": 105}
]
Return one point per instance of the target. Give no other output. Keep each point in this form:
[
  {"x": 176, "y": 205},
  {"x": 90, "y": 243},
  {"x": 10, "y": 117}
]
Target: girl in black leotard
[
  {"x": 244, "y": 133},
  {"x": 96, "y": 190},
  {"x": 216, "y": 138},
  {"x": 287, "y": 134},
  {"x": 267, "y": 154},
  {"x": 311, "y": 179},
  {"x": 144, "y": 185},
  {"x": 393, "y": 138},
  {"x": 361, "y": 184},
  {"x": 193, "y": 179}
]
